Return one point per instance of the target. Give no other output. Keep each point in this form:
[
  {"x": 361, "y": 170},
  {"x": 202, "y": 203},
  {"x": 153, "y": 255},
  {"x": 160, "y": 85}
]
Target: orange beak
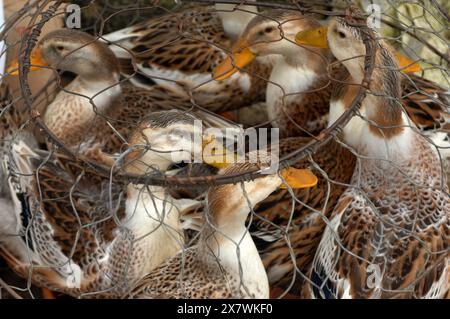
[
  {"x": 36, "y": 63},
  {"x": 241, "y": 57},
  {"x": 407, "y": 65},
  {"x": 298, "y": 178}
]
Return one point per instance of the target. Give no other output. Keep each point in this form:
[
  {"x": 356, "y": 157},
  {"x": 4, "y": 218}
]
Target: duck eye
[
  {"x": 341, "y": 34},
  {"x": 177, "y": 134},
  {"x": 268, "y": 30},
  {"x": 60, "y": 48}
]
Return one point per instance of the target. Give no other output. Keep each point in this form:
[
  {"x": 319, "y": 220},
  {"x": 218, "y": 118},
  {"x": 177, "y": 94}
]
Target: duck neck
[
  {"x": 223, "y": 229},
  {"x": 102, "y": 89},
  {"x": 150, "y": 210},
  {"x": 381, "y": 131},
  {"x": 296, "y": 73},
  {"x": 235, "y": 18},
  {"x": 225, "y": 236},
  {"x": 70, "y": 114},
  {"x": 228, "y": 242},
  {"x": 225, "y": 243},
  {"x": 151, "y": 224},
  {"x": 293, "y": 74},
  {"x": 308, "y": 59},
  {"x": 385, "y": 96}
]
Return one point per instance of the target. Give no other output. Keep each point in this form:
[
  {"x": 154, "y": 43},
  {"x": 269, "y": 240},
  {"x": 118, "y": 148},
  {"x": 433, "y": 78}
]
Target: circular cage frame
[{"x": 30, "y": 40}]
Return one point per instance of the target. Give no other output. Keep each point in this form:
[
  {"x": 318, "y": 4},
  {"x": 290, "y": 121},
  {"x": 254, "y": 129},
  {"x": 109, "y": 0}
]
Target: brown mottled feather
[
  {"x": 406, "y": 237},
  {"x": 70, "y": 217},
  {"x": 427, "y": 104},
  {"x": 389, "y": 234},
  {"x": 212, "y": 269},
  {"x": 185, "y": 47},
  {"x": 306, "y": 228}
]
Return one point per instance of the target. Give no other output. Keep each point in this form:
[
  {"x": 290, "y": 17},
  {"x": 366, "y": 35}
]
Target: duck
[
  {"x": 303, "y": 77},
  {"x": 181, "y": 48},
  {"x": 289, "y": 224},
  {"x": 388, "y": 234},
  {"x": 298, "y": 88},
  {"x": 287, "y": 231},
  {"x": 96, "y": 109},
  {"x": 225, "y": 263},
  {"x": 88, "y": 235},
  {"x": 304, "y": 222}
]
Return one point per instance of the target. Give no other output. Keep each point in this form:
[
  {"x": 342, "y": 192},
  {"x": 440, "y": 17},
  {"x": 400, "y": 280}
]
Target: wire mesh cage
[{"x": 225, "y": 149}]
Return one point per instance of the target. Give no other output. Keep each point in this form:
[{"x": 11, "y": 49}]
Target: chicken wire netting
[{"x": 77, "y": 197}]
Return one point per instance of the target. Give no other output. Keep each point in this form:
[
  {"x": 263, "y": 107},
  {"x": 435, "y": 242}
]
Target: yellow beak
[
  {"x": 241, "y": 57},
  {"x": 216, "y": 154},
  {"x": 316, "y": 37},
  {"x": 298, "y": 178},
  {"x": 36, "y": 63}
]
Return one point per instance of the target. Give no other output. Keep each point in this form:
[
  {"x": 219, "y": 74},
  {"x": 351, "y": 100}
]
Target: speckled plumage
[
  {"x": 78, "y": 227},
  {"x": 97, "y": 109},
  {"x": 389, "y": 234},
  {"x": 188, "y": 277},
  {"x": 304, "y": 228},
  {"x": 212, "y": 268},
  {"x": 181, "y": 49},
  {"x": 303, "y": 78},
  {"x": 392, "y": 224}
]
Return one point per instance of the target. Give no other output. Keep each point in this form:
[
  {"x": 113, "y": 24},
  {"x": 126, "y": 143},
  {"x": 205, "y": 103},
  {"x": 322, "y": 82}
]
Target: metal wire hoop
[{"x": 173, "y": 181}]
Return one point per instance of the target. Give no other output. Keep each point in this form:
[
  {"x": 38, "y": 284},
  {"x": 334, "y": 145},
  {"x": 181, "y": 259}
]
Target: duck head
[
  {"x": 74, "y": 51},
  {"x": 272, "y": 32},
  {"x": 382, "y": 113},
  {"x": 346, "y": 43},
  {"x": 168, "y": 137}
]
